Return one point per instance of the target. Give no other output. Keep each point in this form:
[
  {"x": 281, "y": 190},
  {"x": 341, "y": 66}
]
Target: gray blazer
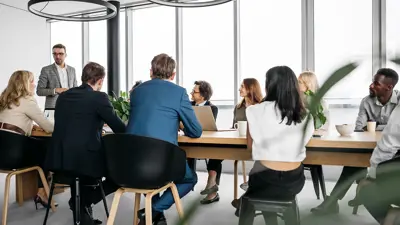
[{"x": 49, "y": 80}]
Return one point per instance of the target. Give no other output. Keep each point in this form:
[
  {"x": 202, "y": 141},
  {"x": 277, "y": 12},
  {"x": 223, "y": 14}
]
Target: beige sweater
[{"x": 23, "y": 115}]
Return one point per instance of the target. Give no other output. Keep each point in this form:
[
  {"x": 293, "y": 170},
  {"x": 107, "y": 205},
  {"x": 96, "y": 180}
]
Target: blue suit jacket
[{"x": 157, "y": 107}]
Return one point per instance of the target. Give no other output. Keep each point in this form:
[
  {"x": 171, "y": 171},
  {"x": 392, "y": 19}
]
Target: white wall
[{"x": 24, "y": 44}]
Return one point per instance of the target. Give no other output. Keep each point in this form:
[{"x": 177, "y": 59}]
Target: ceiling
[{"x": 64, "y": 7}]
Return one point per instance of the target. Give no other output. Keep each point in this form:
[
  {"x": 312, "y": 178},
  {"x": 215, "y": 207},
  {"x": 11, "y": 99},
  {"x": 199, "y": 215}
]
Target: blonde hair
[
  {"x": 18, "y": 87},
  {"x": 309, "y": 79}
]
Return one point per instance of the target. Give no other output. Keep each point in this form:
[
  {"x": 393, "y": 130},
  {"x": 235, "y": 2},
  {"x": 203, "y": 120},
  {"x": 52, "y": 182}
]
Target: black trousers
[
  {"x": 272, "y": 184},
  {"x": 347, "y": 177},
  {"x": 37, "y": 155},
  {"x": 90, "y": 192},
  {"x": 212, "y": 164}
]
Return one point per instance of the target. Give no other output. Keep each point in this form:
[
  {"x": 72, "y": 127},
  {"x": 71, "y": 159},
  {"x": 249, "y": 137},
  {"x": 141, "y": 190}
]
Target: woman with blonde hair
[
  {"x": 250, "y": 91},
  {"x": 308, "y": 82},
  {"x": 18, "y": 110}
]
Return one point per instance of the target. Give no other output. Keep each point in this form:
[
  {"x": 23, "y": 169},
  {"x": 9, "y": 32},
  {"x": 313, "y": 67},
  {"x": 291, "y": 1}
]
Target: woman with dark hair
[{"x": 275, "y": 136}]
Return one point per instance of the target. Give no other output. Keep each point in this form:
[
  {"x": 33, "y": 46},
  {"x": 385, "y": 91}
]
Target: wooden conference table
[{"x": 330, "y": 149}]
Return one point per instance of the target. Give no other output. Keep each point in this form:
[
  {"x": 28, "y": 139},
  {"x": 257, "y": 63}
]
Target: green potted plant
[
  {"x": 121, "y": 105},
  {"x": 317, "y": 114}
]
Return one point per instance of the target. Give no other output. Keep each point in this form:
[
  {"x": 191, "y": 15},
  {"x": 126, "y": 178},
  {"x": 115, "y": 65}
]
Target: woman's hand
[{"x": 37, "y": 128}]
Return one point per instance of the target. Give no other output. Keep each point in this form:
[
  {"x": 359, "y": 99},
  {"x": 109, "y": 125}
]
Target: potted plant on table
[
  {"x": 121, "y": 105},
  {"x": 317, "y": 114}
]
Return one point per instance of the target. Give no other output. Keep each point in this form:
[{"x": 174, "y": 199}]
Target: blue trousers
[{"x": 184, "y": 186}]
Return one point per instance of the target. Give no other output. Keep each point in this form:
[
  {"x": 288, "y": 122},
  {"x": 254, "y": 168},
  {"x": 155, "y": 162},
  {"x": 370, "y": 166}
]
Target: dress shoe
[
  {"x": 206, "y": 201},
  {"x": 89, "y": 212},
  {"x": 158, "y": 218},
  {"x": 235, "y": 203},
  {"x": 328, "y": 206},
  {"x": 244, "y": 186},
  {"x": 209, "y": 190}
]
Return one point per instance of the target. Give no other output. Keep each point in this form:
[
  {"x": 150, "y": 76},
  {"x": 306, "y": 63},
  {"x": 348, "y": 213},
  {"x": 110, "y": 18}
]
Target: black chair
[
  {"x": 317, "y": 177},
  {"x": 286, "y": 209},
  {"x": 143, "y": 165},
  {"x": 68, "y": 178},
  {"x": 15, "y": 160}
]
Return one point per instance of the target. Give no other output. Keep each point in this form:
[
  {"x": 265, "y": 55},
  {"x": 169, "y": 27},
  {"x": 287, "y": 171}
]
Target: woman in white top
[
  {"x": 18, "y": 110},
  {"x": 277, "y": 139},
  {"x": 308, "y": 82}
]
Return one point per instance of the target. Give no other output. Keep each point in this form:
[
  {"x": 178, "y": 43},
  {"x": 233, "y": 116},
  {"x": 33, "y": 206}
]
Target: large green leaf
[{"x": 333, "y": 79}]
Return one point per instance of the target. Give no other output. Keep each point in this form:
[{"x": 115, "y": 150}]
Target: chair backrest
[
  {"x": 142, "y": 162},
  {"x": 13, "y": 150}
]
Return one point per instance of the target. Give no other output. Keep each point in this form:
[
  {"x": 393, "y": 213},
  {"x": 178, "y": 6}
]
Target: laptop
[
  {"x": 206, "y": 118},
  {"x": 49, "y": 114}
]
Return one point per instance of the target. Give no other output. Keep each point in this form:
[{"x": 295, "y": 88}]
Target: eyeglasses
[
  {"x": 193, "y": 91},
  {"x": 60, "y": 54}
]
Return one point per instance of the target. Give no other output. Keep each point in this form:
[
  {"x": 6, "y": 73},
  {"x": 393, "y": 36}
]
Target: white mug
[
  {"x": 241, "y": 126},
  {"x": 371, "y": 126}
]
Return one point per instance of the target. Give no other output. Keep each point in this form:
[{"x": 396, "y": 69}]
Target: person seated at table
[
  {"x": 250, "y": 91},
  {"x": 157, "y": 106},
  {"x": 378, "y": 106},
  {"x": 76, "y": 146},
  {"x": 18, "y": 110},
  {"x": 277, "y": 135},
  {"x": 380, "y": 189},
  {"x": 201, "y": 94},
  {"x": 308, "y": 82}
]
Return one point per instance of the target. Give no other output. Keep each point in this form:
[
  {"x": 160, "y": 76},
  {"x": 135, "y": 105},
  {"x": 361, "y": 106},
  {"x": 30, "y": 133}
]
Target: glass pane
[
  {"x": 122, "y": 52},
  {"x": 208, "y": 50},
  {"x": 70, "y": 35},
  {"x": 342, "y": 38},
  {"x": 392, "y": 33},
  {"x": 266, "y": 43},
  {"x": 98, "y": 46},
  {"x": 153, "y": 34}
]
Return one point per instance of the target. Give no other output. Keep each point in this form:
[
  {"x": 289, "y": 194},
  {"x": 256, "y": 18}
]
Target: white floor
[{"x": 221, "y": 213}]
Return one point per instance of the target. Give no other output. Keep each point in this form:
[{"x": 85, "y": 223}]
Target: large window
[
  {"x": 98, "y": 48},
  {"x": 270, "y": 36},
  {"x": 392, "y": 33},
  {"x": 343, "y": 33},
  {"x": 153, "y": 33},
  {"x": 208, "y": 50},
  {"x": 70, "y": 35}
]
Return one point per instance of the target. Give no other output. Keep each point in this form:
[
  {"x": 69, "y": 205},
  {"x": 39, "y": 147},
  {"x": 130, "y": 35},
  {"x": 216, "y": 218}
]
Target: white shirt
[
  {"x": 389, "y": 143},
  {"x": 201, "y": 104},
  {"x": 62, "y": 72},
  {"x": 273, "y": 140}
]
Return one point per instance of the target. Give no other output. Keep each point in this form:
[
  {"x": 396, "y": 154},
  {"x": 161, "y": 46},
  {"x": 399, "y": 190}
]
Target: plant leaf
[{"x": 333, "y": 79}]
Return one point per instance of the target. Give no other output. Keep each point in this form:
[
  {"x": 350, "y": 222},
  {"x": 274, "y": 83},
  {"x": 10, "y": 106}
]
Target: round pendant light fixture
[
  {"x": 189, "y": 4},
  {"x": 110, "y": 8}
]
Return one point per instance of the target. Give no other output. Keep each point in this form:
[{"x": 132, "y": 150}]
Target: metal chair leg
[
  {"x": 48, "y": 205},
  {"x": 314, "y": 177},
  {"x": 103, "y": 195},
  {"x": 77, "y": 202}
]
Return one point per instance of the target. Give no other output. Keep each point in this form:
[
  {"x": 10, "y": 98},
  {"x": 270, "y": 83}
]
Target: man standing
[
  {"x": 157, "y": 107},
  {"x": 377, "y": 107},
  {"x": 76, "y": 145},
  {"x": 56, "y": 78}
]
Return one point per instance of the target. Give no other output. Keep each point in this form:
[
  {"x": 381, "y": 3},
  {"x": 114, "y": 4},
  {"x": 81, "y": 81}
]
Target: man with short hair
[
  {"x": 76, "y": 146},
  {"x": 156, "y": 108},
  {"x": 378, "y": 107},
  {"x": 56, "y": 78}
]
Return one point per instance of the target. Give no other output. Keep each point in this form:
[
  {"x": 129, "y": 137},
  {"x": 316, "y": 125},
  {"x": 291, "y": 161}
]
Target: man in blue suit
[{"x": 157, "y": 107}]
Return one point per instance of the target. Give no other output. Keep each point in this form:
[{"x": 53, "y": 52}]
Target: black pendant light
[
  {"x": 111, "y": 10},
  {"x": 189, "y": 4}
]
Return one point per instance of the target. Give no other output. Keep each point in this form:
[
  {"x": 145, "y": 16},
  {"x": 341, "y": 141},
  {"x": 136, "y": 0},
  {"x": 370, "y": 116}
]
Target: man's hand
[
  {"x": 181, "y": 126},
  {"x": 60, "y": 90}
]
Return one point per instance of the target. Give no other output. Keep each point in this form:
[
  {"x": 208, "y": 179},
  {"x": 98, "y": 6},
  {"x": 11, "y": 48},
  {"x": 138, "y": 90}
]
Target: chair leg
[
  {"x": 103, "y": 195},
  {"x": 46, "y": 187},
  {"x": 6, "y": 198},
  {"x": 114, "y": 206},
  {"x": 235, "y": 180},
  {"x": 148, "y": 209},
  {"x": 314, "y": 177},
  {"x": 136, "y": 208},
  {"x": 246, "y": 212},
  {"x": 177, "y": 200},
  {"x": 355, "y": 210},
  {"x": 48, "y": 206},
  {"x": 292, "y": 215},
  {"x": 321, "y": 180},
  {"x": 244, "y": 171},
  {"x": 77, "y": 202}
]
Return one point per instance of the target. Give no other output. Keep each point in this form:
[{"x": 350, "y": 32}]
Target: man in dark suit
[
  {"x": 201, "y": 94},
  {"x": 157, "y": 107},
  {"x": 76, "y": 145}
]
